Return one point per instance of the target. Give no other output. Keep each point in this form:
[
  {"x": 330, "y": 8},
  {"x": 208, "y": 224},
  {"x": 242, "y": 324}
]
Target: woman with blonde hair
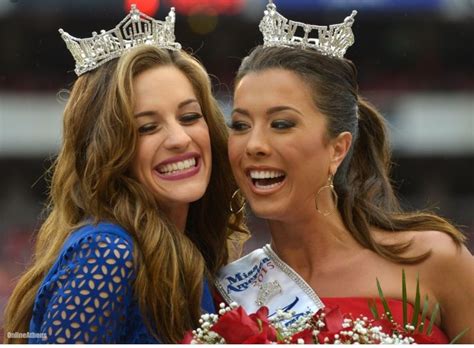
[
  {"x": 136, "y": 222},
  {"x": 312, "y": 158}
]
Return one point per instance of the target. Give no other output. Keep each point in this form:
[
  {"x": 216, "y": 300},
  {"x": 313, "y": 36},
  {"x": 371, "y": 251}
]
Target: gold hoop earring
[
  {"x": 329, "y": 186},
  {"x": 231, "y": 206}
]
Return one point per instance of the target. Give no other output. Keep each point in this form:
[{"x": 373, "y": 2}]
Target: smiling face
[
  {"x": 278, "y": 148},
  {"x": 173, "y": 156}
]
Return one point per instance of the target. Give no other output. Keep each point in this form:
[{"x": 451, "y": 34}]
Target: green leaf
[
  {"x": 416, "y": 309},
  {"x": 279, "y": 336},
  {"x": 433, "y": 318},
  {"x": 423, "y": 315},
  {"x": 404, "y": 299},
  {"x": 373, "y": 309},
  {"x": 260, "y": 325},
  {"x": 384, "y": 302},
  {"x": 455, "y": 339}
]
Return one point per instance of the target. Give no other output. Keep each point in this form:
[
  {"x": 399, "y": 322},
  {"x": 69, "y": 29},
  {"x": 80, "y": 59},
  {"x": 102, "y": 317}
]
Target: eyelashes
[
  {"x": 185, "y": 120},
  {"x": 147, "y": 128},
  {"x": 282, "y": 124},
  {"x": 190, "y": 118},
  {"x": 240, "y": 126}
]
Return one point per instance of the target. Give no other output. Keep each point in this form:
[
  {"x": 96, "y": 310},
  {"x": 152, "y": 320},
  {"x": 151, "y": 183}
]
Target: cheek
[
  {"x": 317, "y": 163},
  {"x": 141, "y": 158}
]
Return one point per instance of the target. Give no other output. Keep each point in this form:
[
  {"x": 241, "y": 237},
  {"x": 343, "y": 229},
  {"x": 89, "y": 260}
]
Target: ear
[{"x": 339, "y": 148}]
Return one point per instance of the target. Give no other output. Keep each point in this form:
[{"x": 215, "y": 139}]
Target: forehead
[
  {"x": 162, "y": 80},
  {"x": 274, "y": 85}
]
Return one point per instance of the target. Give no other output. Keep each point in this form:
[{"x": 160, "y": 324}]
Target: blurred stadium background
[{"x": 415, "y": 60}]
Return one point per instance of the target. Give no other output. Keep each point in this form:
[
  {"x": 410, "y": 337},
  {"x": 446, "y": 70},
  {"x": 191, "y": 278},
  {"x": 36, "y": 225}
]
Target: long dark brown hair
[
  {"x": 362, "y": 182},
  {"x": 91, "y": 179}
]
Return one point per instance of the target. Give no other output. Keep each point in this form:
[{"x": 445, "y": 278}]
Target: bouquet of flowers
[{"x": 233, "y": 325}]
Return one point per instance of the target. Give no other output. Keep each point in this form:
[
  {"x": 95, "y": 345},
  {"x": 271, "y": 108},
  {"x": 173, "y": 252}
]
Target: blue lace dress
[{"x": 87, "y": 295}]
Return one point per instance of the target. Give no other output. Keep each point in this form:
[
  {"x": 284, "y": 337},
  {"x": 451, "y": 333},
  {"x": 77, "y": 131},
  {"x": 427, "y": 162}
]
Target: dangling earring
[
  {"x": 231, "y": 205},
  {"x": 329, "y": 186}
]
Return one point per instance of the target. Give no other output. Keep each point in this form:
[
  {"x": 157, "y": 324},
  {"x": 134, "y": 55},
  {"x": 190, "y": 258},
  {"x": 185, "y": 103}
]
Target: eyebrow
[
  {"x": 187, "y": 102},
  {"x": 279, "y": 108},
  {"x": 270, "y": 111},
  {"x": 152, "y": 113}
]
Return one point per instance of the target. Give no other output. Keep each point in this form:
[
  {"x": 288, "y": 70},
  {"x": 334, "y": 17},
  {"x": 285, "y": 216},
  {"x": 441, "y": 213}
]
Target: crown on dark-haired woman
[
  {"x": 136, "y": 29},
  {"x": 332, "y": 40}
]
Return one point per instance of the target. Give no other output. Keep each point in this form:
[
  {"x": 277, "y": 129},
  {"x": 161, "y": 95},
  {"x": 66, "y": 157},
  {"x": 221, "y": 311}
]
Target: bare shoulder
[
  {"x": 447, "y": 258},
  {"x": 447, "y": 261},
  {"x": 441, "y": 245},
  {"x": 447, "y": 275}
]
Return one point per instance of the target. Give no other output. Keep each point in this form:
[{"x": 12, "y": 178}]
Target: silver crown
[
  {"x": 134, "y": 30},
  {"x": 332, "y": 40},
  {"x": 266, "y": 291}
]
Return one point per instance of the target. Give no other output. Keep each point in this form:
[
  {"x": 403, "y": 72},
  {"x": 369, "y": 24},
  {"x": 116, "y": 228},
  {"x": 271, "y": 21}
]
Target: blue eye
[
  {"x": 238, "y": 126},
  {"x": 147, "y": 128},
  {"x": 282, "y": 124},
  {"x": 190, "y": 118}
]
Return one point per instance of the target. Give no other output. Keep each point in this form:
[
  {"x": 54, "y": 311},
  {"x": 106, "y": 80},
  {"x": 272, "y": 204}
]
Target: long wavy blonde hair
[{"x": 91, "y": 179}]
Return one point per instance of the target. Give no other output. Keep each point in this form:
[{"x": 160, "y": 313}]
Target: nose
[
  {"x": 177, "y": 137},
  {"x": 257, "y": 145}
]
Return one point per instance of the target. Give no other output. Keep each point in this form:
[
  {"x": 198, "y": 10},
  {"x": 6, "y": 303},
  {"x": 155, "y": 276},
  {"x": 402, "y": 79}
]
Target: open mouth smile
[
  {"x": 180, "y": 168},
  {"x": 266, "y": 180},
  {"x": 177, "y": 167}
]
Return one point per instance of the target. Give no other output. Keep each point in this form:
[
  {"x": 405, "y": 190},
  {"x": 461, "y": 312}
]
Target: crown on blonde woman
[
  {"x": 332, "y": 40},
  {"x": 136, "y": 29}
]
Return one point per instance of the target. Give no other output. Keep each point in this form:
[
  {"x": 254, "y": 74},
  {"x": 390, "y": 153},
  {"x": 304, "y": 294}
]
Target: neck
[
  {"x": 178, "y": 215},
  {"x": 312, "y": 243}
]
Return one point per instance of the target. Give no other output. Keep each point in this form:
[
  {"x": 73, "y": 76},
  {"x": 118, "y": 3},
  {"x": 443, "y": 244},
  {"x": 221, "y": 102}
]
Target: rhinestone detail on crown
[
  {"x": 134, "y": 30},
  {"x": 332, "y": 40}
]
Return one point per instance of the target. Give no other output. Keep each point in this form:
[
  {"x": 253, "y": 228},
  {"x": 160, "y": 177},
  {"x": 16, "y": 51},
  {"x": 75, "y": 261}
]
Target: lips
[
  {"x": 179, "y": 167},
  {"x": 266, "y": 179},
  {"x": 176, "y": 167}
]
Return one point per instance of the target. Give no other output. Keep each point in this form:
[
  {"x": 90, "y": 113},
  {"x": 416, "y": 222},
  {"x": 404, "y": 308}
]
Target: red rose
[
  {"x": 323, "y": 335},
  {"x": 306, "y": 335},
  {"x": 261, "y": 338},
  {"x": 261, "y": 317},
  {"x": 423, "y": 339},
  {"x": 188, "y": 337},
  {"x": 332, "y": 317},
  {"x": 237, "y": 327}
]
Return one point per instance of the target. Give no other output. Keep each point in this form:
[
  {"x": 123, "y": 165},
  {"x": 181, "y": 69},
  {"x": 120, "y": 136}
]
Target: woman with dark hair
[
  {"x": 311, "y": 157},
  {"x": 137, "y": 217}
]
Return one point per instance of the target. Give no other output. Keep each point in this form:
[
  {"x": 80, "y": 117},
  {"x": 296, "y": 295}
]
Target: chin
[
  {"x": 267, "y": 211},
  {"x": 188, "y": 195}
]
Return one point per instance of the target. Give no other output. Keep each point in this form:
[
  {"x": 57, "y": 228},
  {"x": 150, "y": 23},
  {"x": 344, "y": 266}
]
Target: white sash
[{"x": 261, "y": 278}]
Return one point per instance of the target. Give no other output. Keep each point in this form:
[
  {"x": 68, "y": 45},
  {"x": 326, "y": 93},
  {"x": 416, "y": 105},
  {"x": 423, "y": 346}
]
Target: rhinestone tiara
[
  {"x": 134, "y": 30},
  {"x": 332, "y": 40}
]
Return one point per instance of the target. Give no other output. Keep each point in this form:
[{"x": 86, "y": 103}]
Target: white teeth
[
  {"x": 255, "y": 174},
  {"x": 267, "y": 187},
  {"x": 172, "y": 168}
]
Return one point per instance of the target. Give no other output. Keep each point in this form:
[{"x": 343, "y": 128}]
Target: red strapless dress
[{"x": 359, "y": 306}]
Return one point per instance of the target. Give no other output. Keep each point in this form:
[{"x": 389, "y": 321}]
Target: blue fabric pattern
[{"x": 87, "y": 296}]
